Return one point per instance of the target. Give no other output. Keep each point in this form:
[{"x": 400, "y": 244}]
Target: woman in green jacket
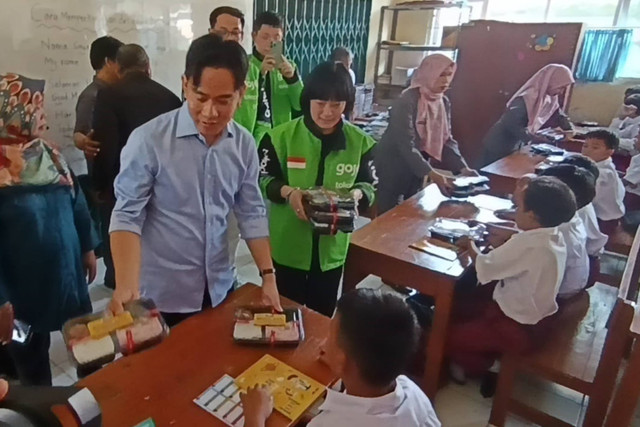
[{"x": 319, "y": 149}]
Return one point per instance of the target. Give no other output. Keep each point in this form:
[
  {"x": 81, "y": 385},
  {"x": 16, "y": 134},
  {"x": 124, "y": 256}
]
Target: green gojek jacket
[
  {"x": 293, "y": 154},
  {"x": 284, "y": 98}
]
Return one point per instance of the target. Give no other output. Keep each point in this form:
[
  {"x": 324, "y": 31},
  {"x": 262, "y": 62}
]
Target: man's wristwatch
[{"x": 267, "y": 271}]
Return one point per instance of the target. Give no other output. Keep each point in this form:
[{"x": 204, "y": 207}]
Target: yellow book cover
[{"x": 293, "y": 392}]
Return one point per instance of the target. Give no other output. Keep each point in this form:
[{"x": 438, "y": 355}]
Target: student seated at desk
[
  {"x": 599, "y": 146},
  {"x": 596, "y": 240},
  {"x": 579, "y": 270},
  {"x": 627, "y": 124},
  {"x": 525, "y": 273},
  {"x": 631, "y": 180},
  {"x": 371, "y": 340}
]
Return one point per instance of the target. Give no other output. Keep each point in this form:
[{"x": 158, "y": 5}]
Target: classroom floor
[{"x": 457, "y": 406}]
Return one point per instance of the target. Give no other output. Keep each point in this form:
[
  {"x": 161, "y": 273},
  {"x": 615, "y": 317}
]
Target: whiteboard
[{"x": 50, "y": 39}]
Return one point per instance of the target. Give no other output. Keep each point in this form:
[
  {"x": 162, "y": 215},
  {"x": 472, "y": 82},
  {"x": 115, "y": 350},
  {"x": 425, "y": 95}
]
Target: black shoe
[{"x": 489, "y": 384}]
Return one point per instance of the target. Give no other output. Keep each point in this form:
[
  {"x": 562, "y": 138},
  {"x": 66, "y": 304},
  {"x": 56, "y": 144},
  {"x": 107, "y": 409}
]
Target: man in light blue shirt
[{"x": 180, "y": 176}]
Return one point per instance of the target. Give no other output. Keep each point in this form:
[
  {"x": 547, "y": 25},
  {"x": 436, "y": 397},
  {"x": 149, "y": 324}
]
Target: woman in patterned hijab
[{"x": 46, "y": 235}]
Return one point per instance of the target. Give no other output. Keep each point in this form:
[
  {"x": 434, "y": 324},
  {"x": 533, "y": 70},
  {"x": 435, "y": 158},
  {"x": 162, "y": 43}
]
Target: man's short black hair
[
  {"x": 328, "y": 82},
  {"x": 378, "y": 332},
  {"x": 633, "y": 90},
  {"x": 579, "y": 180},
  {"x": 132, "y": 57},
  {"x": 266, "y": 18},
  {"x": 211, "y": 51},
  {"x": 103, "y": 48},
  {"x": 225, "y": 10},
  {"x": 583, "y": 162},
  {"x": 609, "y": 138},
  {"x": 341, "y": 53},
  {"x": 550, "y": 200},
  {"x": 633, "y": 100}
]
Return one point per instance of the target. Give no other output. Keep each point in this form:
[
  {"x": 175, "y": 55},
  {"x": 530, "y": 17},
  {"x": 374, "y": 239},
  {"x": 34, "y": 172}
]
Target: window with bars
[
  {"x": 596, "y": 14},
  {"x": 313, "y": 28}
]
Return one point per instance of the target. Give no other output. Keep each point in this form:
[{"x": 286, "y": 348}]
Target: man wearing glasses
[{"x": 228, "y": 23}]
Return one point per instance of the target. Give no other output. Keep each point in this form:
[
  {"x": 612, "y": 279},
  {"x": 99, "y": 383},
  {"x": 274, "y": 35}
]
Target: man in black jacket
[{"x": 119, "y": 109}]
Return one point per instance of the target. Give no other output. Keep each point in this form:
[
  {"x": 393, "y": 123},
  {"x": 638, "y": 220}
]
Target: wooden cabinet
[{"x": 494, "y": 60}]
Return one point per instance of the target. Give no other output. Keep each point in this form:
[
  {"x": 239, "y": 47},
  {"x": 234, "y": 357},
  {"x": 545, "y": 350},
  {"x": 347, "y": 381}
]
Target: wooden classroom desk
[
  {"x": 382, "y": 248},
  {"x": 505, "y": 172},
  {"x": 162, "y": 382}
]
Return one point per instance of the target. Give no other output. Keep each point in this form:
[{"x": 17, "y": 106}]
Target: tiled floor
[{"x": 457, "y": 406}]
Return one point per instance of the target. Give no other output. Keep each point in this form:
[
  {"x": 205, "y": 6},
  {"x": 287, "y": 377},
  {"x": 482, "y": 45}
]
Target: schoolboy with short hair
[
  {"x": 599, "y": 146},
  {"x": 578, "y": 267},
  {"x": 372, "y": 338},
  {"x": 596, "y": 240},
  {"x": 521, "y": 279}
]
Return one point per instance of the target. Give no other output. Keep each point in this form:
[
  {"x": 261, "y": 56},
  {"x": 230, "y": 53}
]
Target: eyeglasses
[{"x": 228, "y": 35}]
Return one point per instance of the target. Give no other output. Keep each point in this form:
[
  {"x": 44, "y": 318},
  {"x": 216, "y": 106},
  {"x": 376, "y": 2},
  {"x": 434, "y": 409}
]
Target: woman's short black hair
[
  {"x": 211, "y": 51},
  {"x": 328, "y": 82},
  {"x": 583, "y": 162},
  {"x": 579, "y": 180},
  {"x": 101, "y": 49},
  {"x": 378, "y": 332},
  {"x": 550, "y": 200}
]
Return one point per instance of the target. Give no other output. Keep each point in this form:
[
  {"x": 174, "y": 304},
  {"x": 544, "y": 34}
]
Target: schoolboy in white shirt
[
  {"x": 513, "y": 314},
  {"x": 631, "y": 180},
  {"x": 627, "y": 125},
  {"x": 596, "y": 240},
  {"x": 599, "y": 146},
  {"x": 371, "y": 340},
  {"x": 582, "y": 185}
]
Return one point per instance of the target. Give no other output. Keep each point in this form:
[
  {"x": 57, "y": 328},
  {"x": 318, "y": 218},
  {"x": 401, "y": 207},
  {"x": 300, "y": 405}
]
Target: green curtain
[{"x": 313, "y": 28}]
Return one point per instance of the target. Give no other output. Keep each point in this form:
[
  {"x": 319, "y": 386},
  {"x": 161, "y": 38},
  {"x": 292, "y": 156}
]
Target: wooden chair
[
  {"x": 625, "y": 400},
  {"x": 583, "y": 354},
  {"x": 620, "y": 241},
  {"x": 627, "y": 395}
]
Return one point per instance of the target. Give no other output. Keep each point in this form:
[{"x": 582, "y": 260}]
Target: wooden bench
[
  {"x": 583, "y": 354},
  {"x": 627, "y": 395},
  {"x": 620, "y": 241}
]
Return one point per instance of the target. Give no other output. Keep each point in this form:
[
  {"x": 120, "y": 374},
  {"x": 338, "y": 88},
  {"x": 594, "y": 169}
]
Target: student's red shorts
[
  {"x": 481, "y": 333},
  {"x": 631, "y": 202},
  {"x": 608, "y": 227}
]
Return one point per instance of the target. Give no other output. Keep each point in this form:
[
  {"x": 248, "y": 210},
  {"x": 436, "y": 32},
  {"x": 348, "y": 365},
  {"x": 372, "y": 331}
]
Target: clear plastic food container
[{"x": 95, "y": 339}]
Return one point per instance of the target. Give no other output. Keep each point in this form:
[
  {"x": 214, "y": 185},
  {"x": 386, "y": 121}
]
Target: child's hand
[
  {"x": 499, "y": 235},
  {"x": 257, "y": 403}
]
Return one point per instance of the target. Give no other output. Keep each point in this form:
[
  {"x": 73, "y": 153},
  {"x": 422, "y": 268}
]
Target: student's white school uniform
[
  {"x": 576, "y": 274},
  {"x": 596, "y": 240},
  {"x": 529, "y": 267},
  {"x": 406, "y": 406},
  {"x": 609, "y": 200},
  {"x": 627, "y": 129},
  {"x": 633, "y": 174}
]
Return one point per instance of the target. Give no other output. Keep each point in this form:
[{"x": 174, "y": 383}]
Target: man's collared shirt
[{"x": 176, "y": 192}]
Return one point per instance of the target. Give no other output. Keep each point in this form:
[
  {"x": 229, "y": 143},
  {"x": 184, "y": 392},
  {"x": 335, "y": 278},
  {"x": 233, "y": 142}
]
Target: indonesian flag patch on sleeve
[{"x": 296, "y": 163}]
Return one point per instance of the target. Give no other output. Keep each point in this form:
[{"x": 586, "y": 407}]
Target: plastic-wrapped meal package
[{"x": 95, "y": 339}]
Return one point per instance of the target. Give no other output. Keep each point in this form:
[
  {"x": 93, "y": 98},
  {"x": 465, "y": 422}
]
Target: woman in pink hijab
[
  {"x": 535, "y": 106},
  {"x": 419, "y": 136}
]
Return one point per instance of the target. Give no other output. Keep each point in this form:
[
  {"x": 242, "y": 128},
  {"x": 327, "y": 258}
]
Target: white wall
[{"x": 598, "y": 102}]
